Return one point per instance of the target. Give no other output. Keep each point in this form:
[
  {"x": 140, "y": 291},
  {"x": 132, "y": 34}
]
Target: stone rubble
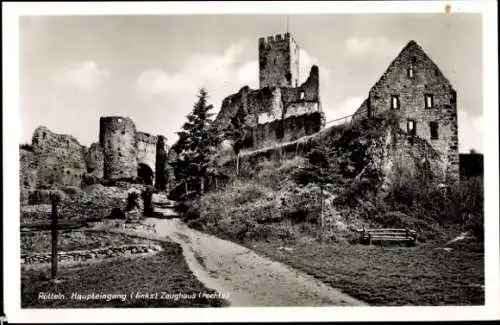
[{"x": 86, "y": 255}]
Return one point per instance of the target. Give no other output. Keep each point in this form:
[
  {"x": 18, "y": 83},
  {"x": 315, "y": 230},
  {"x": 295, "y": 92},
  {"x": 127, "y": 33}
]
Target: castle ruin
[
  {"x": 278, "y": 113},
  {"x": 131, "y": 154},
  {"x": 122, "y": 154},
  {"x": 281, "y": 110}
]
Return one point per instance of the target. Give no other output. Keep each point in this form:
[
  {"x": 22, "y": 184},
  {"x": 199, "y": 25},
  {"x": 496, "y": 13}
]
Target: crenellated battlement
[{"x": 274, "y": 39}]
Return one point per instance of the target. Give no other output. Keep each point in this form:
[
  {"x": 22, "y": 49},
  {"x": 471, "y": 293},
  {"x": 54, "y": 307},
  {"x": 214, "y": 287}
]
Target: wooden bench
[{"x": 388, "y": 234}]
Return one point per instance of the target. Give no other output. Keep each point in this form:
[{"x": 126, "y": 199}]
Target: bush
[
  {"x": 237, "y": 212},
  {"x": 448, "y": 203},
  {"x": 303, "y": 204}
]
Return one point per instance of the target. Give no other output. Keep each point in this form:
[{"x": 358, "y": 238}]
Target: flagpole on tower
[{"x": 287, "y": 23}]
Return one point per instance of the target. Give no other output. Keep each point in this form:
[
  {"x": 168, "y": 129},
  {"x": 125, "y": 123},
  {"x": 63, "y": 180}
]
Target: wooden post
[
  {"x": 54, "y": 236},
  {"x": 322, "y": 214},
  {"x": 237, "y": 163}
]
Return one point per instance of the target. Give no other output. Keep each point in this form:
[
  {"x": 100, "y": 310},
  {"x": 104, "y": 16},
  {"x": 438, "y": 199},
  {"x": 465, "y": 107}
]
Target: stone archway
[{"x": 145, "y": 174}]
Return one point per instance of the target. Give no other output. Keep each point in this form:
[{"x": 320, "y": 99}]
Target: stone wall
[
  {"x": 250, "y": 104},
  {"x": 28, "y": 169},
  {"x": 278, "y": 61},
  {"x": 284, "y": 150},
  {"x": 117, "y": 137},
  {"x": 55, "y": 160},
  {"x": 404, "y": 154},
  {"x": 162, "y": 171},
  {"x": 392, "y": 151},
  {"x": 274, "y": 114},
  {"x": 285, "y": 130},
  {"x": 306, "y": 92},
  {"x": 146, "y": 149},
  {"x": 265, "y": 104},
  {"x": 409, "y": 81},
  {"x": 60, "y": 159},
  {"x": 95, "y": 160},
  {"x": 362, "y": 111},
  {"x": 91, "y": 254}
]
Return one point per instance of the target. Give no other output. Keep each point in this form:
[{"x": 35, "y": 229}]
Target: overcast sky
[{"x": 75, "y": 69}]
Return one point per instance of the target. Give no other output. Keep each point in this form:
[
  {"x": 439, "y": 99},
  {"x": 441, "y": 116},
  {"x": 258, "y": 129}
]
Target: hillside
[
  {"x": 375, "y": 180},
  {"x": 377, "y": 177}
]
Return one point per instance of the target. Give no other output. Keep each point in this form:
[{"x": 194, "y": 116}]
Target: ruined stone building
[
  {"x": 281, "y": 110},
  {"x": 122, "y": 153},
  {"x": 131, "y": 154},
  {"x": 425, "y": 103}
]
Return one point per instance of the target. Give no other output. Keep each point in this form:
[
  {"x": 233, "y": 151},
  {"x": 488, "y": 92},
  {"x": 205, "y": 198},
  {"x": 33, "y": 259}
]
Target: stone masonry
[
  {"x": 281, "y": 110},
  {"x": 117, "y": 137},
  {"x": 416, "y": 91},
  {"x": 127, "y": 152},
  {"x": 278, "y": 61},
  {"x": 60, "y": 160}
]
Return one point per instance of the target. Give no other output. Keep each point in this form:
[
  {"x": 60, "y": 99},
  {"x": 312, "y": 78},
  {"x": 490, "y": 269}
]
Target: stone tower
[
  {"x": 117, "y": 137},
  {"x": 278, "y": 61}
]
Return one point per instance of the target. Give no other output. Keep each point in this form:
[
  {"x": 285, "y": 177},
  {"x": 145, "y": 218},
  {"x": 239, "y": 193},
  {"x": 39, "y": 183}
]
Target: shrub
[
  {"x": 245, "y": 192},
  {"x": 236, "y": 210},
  {"x": 303, "y": 204},
  {"x": 450, "y": 203}
]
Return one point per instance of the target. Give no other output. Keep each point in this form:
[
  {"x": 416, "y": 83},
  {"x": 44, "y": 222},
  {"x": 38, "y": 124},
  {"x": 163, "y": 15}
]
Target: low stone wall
[{"x": 91, "y": 254}]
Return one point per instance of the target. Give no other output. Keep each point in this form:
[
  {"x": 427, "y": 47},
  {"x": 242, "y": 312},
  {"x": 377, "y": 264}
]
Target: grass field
[
  {"x": 160, "y": 274},
  {"x": 391, "y": 276}
]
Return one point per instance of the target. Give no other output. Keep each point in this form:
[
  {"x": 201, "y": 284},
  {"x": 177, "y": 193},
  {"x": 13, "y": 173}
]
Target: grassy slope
[
  {"x": 250, "y": 211},
  {"x": 164, "y": 272},
  {"x": 391, "y": 276}
]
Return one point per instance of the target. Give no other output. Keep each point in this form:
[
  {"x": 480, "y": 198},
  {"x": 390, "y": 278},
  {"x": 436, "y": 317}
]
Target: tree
[{"x": 197, "y": 144}]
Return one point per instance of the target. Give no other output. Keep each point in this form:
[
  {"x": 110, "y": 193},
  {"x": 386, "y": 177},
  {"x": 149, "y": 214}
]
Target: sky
[{"x": 75, "y": 69}]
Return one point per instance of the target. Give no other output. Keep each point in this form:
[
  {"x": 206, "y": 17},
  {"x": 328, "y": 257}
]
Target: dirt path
[{"x": 247, "y": 278}]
